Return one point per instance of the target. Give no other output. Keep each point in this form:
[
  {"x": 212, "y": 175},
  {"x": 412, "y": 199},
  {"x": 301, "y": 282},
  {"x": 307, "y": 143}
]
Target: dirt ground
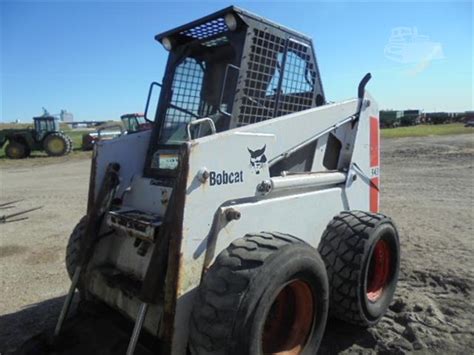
[{"x": 427, "y": 188}]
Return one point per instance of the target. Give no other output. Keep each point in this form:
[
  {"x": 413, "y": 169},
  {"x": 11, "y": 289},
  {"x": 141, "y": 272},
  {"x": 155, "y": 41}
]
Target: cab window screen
[{"x": 186, "y": 94}]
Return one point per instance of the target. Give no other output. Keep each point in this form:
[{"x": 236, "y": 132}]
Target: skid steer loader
[{"x": 251, "y": 210}]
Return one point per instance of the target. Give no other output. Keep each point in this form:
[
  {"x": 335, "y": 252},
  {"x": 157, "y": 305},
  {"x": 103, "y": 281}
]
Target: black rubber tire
[
  {"x": 238, "y": 291},
  {"x": 16, "y": 150},
  {"x": 57, "y": 136},
  {"x": 73, "y": 246},
  {"x": 347, "y": 247},
  {"x": 70, "y": 144}
]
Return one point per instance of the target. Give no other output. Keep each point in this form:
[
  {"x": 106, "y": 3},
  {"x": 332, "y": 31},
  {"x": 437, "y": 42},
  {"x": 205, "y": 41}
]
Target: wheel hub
[
  {"x": 379, "y": 271},
  {"x": 289, "y": 321},
  {"x": 56, "y": 145}
]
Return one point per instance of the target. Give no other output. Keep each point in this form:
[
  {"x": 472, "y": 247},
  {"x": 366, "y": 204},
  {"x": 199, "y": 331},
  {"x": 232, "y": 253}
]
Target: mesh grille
[
  {"x": 262, "y": 78},
  {"x": 186, "y": 93},
  {"x": 298, "y": 80},
  {"x": 279, "y": 79},
  {"x": 207, "y": 29}
]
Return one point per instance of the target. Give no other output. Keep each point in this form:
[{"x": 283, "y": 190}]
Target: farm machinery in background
[
  {"x": 130, "y": 123},
  {"x": 410, "y": 118},
  {"x": 390, "y": 119},
  {"x": 468, "y": 119},
  {"x": 393, "y": 118},
  {"x": 448, "y": 117},
  {"x": 45, "y": 136}
]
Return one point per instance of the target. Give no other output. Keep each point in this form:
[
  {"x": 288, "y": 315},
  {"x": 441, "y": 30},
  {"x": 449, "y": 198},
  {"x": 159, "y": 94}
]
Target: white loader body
[
  {"x": 221, "y": 178},
  {"x": 248, "y": 211}
]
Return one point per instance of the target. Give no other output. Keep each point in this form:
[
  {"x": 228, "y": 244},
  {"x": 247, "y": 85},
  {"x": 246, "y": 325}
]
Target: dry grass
[{"x": 426, "y": 130}]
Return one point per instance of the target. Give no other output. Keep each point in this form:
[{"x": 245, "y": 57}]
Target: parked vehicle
[
  {"x": 46, "y": 135},
  {"x": 248, "y": 212},
  {"x": 390, "y": 119},
  {"x": 131, "y": 122},
  {"x": 135, "y": 122},
  {"x": 104, "y": 133}
]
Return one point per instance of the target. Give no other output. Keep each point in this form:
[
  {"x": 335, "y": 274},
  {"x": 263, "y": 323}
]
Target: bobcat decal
[{"x": 257, "y": 159}]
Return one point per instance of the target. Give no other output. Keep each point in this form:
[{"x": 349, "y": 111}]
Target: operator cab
[
  {"x": 227, "y": 70},
  {"x": 135, "y": 122},
  {"x": 44, "y": 125}
]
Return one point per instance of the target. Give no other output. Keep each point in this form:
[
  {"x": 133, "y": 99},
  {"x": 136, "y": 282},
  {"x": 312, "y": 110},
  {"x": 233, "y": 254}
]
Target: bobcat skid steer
[{"x": 249, "y": 213}]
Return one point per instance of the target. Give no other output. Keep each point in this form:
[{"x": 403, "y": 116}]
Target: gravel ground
[{"x": 427, "y": 188}]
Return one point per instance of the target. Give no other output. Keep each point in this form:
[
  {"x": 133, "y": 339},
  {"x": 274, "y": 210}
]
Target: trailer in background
[{"x": 390, "y": 118}]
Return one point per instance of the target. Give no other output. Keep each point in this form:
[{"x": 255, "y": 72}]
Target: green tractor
[{"x": 45, "y": 136}]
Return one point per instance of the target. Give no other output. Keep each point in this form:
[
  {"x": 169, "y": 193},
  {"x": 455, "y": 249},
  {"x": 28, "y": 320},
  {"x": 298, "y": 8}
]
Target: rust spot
[
  {"x": 164, "y": 197},
  {"x": 91, "y": 195},
  {"x": 162, "y": 277}
]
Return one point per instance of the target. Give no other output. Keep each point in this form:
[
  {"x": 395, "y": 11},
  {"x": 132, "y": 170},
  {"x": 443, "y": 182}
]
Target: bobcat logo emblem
[{"x": 257, "y": 159}]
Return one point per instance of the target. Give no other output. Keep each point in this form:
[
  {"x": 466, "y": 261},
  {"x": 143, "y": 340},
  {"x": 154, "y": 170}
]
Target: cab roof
[{"x": 214, "y": 24}]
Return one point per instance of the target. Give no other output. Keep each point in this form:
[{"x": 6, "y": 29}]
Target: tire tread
[
  {"x": 66, "y": 139},
  {"x": 218, "y": 297},
  {"x": 72, "y": 249},
  {"x": 342, "y": 247}
]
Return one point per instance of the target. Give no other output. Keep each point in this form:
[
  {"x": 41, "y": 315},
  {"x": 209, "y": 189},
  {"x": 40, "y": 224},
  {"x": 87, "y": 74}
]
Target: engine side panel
[{"x": 246, "y": 152}]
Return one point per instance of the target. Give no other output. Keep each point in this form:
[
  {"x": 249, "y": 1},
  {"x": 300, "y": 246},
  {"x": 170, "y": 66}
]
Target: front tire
[
  {"x": 16, "y": 150},
  {"x": 73, "y": 246},
  {"x": 265, "y": 294},
  {"x": 362, "y": 255}
]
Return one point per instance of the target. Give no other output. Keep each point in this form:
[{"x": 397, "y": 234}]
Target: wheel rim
[
  {"x": 15, "y": 152},
  {"x": 379, "y": 271},
  {"x": 56, "y": 145},
  {"x": 289, "y": 321}
]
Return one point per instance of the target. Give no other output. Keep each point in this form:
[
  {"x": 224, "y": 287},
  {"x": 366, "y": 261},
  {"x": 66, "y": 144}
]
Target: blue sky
[{"x": 96, "y": 59}]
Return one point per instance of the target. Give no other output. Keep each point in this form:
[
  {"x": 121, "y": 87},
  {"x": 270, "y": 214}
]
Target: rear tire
[
  {"x": 73, "y": 246},
  {"x": 57, "y": 144},
  {"x": 16, "y": 150},
  {"x": 70, "y": 144},
  {"x": 362, "y": 255},
  {"x": 265, "y": 293}
]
